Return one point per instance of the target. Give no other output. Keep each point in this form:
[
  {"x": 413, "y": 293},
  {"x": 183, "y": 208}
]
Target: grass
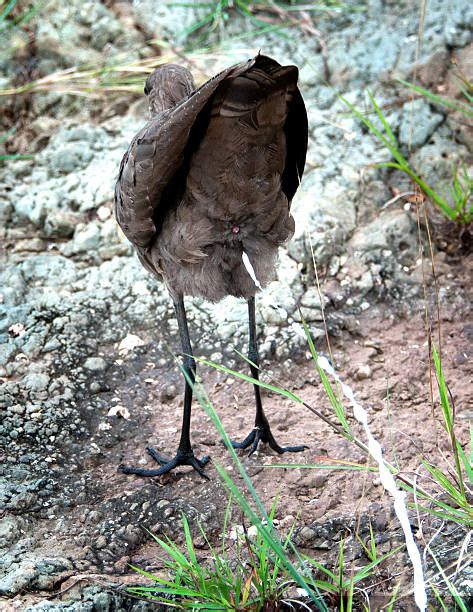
[
  {"x": 277, "y": 15},
  {"x": 248, "y": 578},
  {"x": 271, "y": 568},
  {"x": 118, "y": 75},
  {"x": 460, "y": 209},
  {"x": 453, "y": 499},
  {"x": 12, "y": 15},
  {"x": 9, "y": 156},
  {"x": 465, "y": 108}
]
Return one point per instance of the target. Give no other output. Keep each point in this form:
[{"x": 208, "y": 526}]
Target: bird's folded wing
[{"x": 154, "y": 157}]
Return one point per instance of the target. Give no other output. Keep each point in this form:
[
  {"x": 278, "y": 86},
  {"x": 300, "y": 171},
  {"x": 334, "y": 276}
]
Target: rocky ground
[{"x": 88, "y": 337}]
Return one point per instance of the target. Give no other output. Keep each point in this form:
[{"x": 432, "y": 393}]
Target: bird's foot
[
  {"x": 181, "y": 458},
  {"x": 263, "y": 434}
]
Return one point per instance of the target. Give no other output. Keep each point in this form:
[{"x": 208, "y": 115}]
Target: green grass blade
[
  {"x": 366, "y": 570},
  {"x": 383, "y": 120},
  {"x": 444, "y": 401},
  {"x": 189, "y": 543},
  {"x": 172, "y": 550},
  {"x": 321, "y": 568},
  {"x": 249, "y": 379},
  {"x": 443, "y": 481},
  {"x": 438, "y": 597},
  {"x": 367, "y": 122},
  {"x": 431, "y": 193},
  {"x": 321, "y": 466},
  {"x": 448, "y": 515},
  {"x": 4, "y": 14},
  {"x": 451, "y": 587},
  {"x": 393, "y": 599},
  {"x": 335, "y": 402},
  {"x": 447, "y": 102}
]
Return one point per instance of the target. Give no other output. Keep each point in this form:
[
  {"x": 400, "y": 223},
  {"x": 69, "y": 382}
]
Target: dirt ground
[{"x": 385, "y": 359}]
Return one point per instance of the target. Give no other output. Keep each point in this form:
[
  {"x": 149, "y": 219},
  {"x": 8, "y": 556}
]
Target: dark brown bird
[{"x": 208, "y": 179}]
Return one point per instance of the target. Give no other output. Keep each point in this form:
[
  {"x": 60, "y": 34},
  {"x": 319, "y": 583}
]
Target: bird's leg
[
  {"x": 185, "y": 454},
  {"x": 261, "y": 431}
]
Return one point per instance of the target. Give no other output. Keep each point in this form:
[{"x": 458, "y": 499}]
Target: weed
[
  {"x": 249, "y": 580},
  {"x": 8, "y": 156},
  {"x": 12, "y": 15},
  {"x": 275, "y": 15},
  {"x": 341, "y": 588},
  {"x": 465, "y": 109},
  {"x": 453, "y": 501},
  {"x": 460, "y": 211}
]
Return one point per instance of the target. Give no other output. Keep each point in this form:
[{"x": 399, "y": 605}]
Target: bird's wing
[
  {"x": 261, "y": 78},
  {"x": 296, "y": 130},
  {"x": 295, "y": 127},
  {"x": 154, "y": 165}
]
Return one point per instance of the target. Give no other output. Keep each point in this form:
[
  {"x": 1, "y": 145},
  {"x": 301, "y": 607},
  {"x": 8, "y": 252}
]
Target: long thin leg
[
  {"x": 189, "y": 367},
  {"x": 185, "y": 454},
  {"x": 261, "y": 431}
]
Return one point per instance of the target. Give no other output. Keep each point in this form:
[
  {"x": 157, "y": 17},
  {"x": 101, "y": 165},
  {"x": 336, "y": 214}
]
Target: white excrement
[
  {"x": 268, "y": 299},
  {"x": 388, "y": 482},
  {"x": 249, "y": 268}
]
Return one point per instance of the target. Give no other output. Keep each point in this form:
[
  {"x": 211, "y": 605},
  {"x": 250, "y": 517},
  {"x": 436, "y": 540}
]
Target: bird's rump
[{"x": 214, "y": 176}]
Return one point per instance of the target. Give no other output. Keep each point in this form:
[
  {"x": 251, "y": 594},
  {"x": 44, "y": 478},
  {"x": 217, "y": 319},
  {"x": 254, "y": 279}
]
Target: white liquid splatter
[
  {"x": 249, "y": 268},
  {"x": 388, "y": 482},
  {"x": 267, "y": 297}
]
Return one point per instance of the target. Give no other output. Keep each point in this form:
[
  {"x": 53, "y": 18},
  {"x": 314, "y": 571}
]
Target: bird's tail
[{"x": 258, "y": 84}]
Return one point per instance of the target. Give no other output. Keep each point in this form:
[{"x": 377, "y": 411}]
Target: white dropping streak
[
  {"x": 267, "y": 298},
  {"x": 249, "y": 268},
  {"x": 389, "y": 484}
]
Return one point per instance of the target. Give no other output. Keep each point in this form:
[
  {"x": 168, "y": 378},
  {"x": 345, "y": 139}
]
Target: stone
[
  {"x": 70, "y": 158},
  {"x": 9, "y": 531},
  {"x": 393, "y": 229},
  {"x": 418, "y": 123},
  {"x": 363, "y": 372},
  {"x": 311, "y": 298},
  {"x": 36, "y": 381},
  {"x": 95, "y": 364},
  {"x": 35, "y": 205},
  {"x": 19, "y": 577},
  {"x": 86, "y": 238},
  {"x": 457, "y": 28},
  {"x": 60, "y": 223},
  {"x": 305, "y": 535}
]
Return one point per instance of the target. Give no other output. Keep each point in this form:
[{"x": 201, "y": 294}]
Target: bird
[{"x": 204, "y": 194}]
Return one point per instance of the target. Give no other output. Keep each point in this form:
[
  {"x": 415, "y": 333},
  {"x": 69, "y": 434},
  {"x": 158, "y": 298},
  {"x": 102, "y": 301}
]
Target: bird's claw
[
  {"x": 181, "y": 458},
  {"x": 263, "y": 434}
]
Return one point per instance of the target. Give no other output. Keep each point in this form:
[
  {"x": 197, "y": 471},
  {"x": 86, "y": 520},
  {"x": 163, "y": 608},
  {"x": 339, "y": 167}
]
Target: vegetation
[
  {"x": 266, "y": 16},
  {"x": 248, "y": 578},
  {"x": 12, "y": 15},
  {"x": 7, "y": 156},
  {"x": 460, "y": 208}
]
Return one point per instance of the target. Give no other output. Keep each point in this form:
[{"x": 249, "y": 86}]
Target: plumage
[{"x": 212, "y": 175}]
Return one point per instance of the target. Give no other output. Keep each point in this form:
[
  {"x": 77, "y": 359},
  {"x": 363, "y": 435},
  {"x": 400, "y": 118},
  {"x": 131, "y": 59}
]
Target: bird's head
[{"x": 168, "y": 85}]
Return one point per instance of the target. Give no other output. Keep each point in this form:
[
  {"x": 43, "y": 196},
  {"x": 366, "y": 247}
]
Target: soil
[{"x": 386, "y": 361}]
